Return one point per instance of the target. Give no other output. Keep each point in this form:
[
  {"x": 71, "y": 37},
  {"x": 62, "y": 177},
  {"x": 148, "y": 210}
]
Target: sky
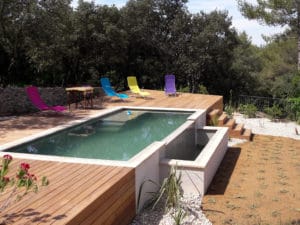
[{"x": 253, "y": 29}]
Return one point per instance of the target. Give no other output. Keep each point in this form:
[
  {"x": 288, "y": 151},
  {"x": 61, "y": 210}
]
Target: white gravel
[
  {"x": 268, "y": 127},
  {"x": 191, "y": 206}
]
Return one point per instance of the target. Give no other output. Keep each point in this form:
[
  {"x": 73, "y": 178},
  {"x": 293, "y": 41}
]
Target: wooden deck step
[
  {"x": 247, "y": 134},
  {"x": 214, "y": 113},
  {"x": 230, "y": 124},
  {"x": 237, "y": 130},
  {"x": 222, "y": 119}
]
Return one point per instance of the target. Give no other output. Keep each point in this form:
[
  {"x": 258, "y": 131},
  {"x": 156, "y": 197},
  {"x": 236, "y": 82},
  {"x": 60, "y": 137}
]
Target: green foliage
[
  {"x": 179, "y": 215},
  {"x": 294, "y": 109},
  {"x": 229, "y": 110},
  {"x": 170, "y": 190},
  {"x": 203, "y": 90},
  {"x": 275, "y": 112},
  {"x": 184, "y": 89},
  {"x": 280, "y": 12},
  {"x": 23, "y": 180},
  {"x": 214, "y": 121},
  {"x": 248, "y": 109},
  {"x": 229, "y": 107}
]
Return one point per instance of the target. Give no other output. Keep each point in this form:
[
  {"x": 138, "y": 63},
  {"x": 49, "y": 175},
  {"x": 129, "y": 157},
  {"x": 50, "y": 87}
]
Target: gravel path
[
  {"x": 192, "y": 204},
  {"x": 268, "y": 127}
]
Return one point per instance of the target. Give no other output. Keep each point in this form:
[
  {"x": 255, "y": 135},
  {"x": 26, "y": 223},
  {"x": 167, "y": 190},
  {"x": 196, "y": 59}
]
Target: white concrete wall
[
  {"x": 197, "y": 175},
  {"x": 212, "y": 155},
  {"x": 146, "y": 165}
]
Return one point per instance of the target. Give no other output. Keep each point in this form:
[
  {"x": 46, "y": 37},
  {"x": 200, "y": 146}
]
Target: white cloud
[{"x": 252, "y": 28}]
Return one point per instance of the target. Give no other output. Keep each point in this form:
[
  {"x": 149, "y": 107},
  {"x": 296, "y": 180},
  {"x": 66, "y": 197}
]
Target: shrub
[
  {"x": 275, "y": 112},
  {"x": 248, "y": 109},
  {"x": 294, "y": 108},
  {"x": 203, "y": 90},
  {"x": 229, "y": 110},
  {"x": 170, "y": 190}
]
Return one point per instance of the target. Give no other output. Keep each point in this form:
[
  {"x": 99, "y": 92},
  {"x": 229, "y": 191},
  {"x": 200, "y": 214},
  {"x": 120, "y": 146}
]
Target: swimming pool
[
  {"x": 116, "y": 136},
  {"x": 153, "y": 161}
]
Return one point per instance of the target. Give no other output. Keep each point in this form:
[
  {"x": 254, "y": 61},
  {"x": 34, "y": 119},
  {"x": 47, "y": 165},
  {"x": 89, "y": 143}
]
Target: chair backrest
[
  {"x": 170, "y": 87},
  {"x": 106, "y": 86},
  {"x": 35, "y": 98},
  {"x": 105, "y": 82},
  {"x": 132, "y": 84}
]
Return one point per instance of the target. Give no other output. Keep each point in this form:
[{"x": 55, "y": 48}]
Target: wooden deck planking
[
  {"x": 76, "y": 194},
  {"x": 159, "y": 99},
  {"x": 88, "y": 194}
]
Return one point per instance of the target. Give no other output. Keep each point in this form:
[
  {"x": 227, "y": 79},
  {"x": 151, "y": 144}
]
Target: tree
[{"x": 275, "y": 12}]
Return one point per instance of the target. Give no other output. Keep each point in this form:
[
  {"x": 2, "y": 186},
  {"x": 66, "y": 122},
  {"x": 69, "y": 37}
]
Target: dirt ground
[{"x": 258, "y": 182}]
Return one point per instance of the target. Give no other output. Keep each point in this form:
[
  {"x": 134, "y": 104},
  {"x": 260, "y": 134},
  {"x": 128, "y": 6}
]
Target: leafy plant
[
  {"x": 213, "y": 121},
  {"x": 179, "y": 215},
  {"x": 229, "y": 110},
  {"x": 275, "y": 112},
  {"x": 24, "y": 180},
  {"x": 294, "y": 109},
  {"x": 203, "y": 89},
  {"x": 170, "y": 189},
  {"x": 248, "y": 109}
]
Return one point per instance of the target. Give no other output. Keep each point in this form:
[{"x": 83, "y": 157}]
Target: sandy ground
[{"x": 258, "y": 182}]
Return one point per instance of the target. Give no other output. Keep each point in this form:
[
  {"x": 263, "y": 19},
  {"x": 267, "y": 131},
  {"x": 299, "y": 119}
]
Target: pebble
[{"x": 190, "y": 204}]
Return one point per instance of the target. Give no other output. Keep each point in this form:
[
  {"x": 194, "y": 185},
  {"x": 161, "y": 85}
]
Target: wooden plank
[
  {"x": 73, "y": 187},
  {"x": 92, "y": 193},
  {"x": 99, "y": 211}
]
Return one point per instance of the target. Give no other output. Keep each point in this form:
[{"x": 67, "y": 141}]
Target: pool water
[{"x": 118, "y": 136}]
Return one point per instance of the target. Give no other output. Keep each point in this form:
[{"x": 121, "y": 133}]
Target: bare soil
[{"x": 258, "y": 182}]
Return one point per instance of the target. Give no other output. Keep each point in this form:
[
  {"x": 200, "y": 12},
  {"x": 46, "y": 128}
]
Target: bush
[
  {"x": 248, "y": 109},
  {"x": 294, "y": 108},
  {"x": 275, "y": 112},
  {"x": 229, "y": 110}
]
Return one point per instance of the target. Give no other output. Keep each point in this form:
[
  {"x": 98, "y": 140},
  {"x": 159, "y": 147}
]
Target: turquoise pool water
[{"x": 118, "y": 136}]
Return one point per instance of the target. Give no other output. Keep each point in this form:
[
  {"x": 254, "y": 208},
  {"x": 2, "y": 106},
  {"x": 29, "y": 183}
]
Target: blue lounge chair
[{"x": 109, "y": 91}]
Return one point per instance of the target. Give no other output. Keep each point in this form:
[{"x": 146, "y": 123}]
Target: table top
[{"x": 81, "y": 89}]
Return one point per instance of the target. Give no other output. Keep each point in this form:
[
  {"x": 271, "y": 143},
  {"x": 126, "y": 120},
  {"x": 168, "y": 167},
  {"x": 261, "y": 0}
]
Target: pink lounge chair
[{"x": 35, "y": 98}]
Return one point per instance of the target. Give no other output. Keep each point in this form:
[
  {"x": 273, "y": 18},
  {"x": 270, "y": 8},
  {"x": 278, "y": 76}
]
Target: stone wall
[{"x": 14, "y": 100}]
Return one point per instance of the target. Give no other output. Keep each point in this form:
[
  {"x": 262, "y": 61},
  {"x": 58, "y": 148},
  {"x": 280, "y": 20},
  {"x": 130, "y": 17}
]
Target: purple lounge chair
[
  {"x": 170, "y": 88},
  {"x": 34, "y": 96}
]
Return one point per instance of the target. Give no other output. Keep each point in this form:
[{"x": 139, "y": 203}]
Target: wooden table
[{"x": 78, "y": 93}]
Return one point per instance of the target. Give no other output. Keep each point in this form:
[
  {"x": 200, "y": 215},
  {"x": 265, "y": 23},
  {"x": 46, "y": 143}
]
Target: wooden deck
[
  {"x": 77, "y": 194},
  {"x": 159, "y": 99}
]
